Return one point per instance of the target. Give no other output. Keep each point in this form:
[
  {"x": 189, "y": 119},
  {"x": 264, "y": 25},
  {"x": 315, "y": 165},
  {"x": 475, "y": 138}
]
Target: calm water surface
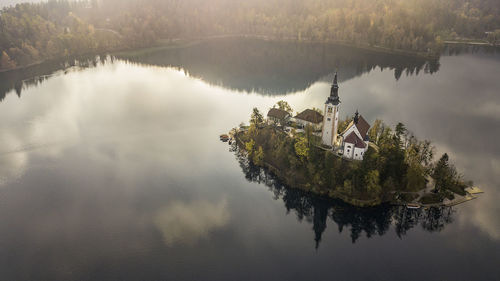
[{"x": 111, "y": 168}]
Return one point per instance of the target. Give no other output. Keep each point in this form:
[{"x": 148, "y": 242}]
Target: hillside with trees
[{"x": 30, "y": 33}]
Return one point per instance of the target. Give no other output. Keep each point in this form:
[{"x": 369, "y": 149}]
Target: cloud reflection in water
[{"x": 187, "y": 223}]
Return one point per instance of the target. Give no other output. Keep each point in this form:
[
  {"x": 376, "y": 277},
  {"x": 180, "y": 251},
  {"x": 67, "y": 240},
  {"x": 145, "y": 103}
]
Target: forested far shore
[{"x": 31, "y": 33}]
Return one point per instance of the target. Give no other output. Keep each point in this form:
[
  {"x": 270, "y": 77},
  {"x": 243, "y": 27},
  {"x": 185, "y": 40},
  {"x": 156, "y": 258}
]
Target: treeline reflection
[
  {"x": 357, "y": 221},
  {"x": 276, "y": 68},
  {"x": 459, "y": 49},
  {"x": 265, "y": 67},
  {"x": 32, "y": 76}
]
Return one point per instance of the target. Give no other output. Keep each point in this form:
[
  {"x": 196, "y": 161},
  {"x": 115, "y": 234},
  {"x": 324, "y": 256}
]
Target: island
[{"x": 348, "y": 159}]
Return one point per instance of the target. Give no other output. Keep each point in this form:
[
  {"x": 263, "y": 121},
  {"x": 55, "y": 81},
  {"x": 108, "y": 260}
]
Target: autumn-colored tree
[
  {"x": 63, "y": 27},
  {"x": 283, "y": 105},
  {"x": 258, "y": 158},
  {"x": 6, "y": 62},
  {"x": 301, "y": 147}
]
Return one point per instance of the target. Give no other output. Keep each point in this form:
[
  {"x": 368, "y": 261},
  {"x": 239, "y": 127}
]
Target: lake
[{"x": 111, "y": 167}]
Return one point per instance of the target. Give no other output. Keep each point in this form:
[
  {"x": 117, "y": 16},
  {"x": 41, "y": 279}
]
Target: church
[{"x": 353, "y": 142}]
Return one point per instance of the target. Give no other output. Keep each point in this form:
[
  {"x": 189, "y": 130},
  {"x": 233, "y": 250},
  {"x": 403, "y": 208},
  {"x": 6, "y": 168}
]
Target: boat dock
[
  {"x": 474, "y": 190},
  {"x": 460, "y": 200}
]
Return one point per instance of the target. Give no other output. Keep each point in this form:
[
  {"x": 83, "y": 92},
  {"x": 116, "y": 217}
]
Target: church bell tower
[{"x": 331, "y": 117}]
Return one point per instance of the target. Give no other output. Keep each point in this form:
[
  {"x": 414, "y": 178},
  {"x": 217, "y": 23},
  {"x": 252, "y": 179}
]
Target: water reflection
[
  {"x": 461, "y": 49},
  {"x": 32, "y": 76},
  {"x": 189, "y": 222},
  {"x": 266, "y": 67},
  {"x": 277, "y": 68},
  {"x": 116, "y": 172},
  {"x": 357, "y": 221}
]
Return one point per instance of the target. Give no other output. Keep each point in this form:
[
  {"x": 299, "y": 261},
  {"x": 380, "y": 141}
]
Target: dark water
[{"x": 111, "y": 169}]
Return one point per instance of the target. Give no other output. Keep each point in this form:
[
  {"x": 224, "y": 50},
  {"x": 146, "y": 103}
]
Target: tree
[
  {"x": 343, "y": 124},
  {"x": 494, "y": 37},
  {"x": 283, "y": 105},
  {"x": 249, "y": 146},
  {"x": 442, "y": 174},
  {"x": 415, "y": 177},
  {"x": 258, "y": 158},
  {"x": 301, "y": 147},
  {"x": 308, "y": 132},
  {"x": 372, "y": 181},
  {"x": 400, "y": 131},
  {"x": 376, "y": 130},
  {"x": 257, "y": 118},
  {"x": 318, "y": 110},
  {"x": 6, "y": 62}
]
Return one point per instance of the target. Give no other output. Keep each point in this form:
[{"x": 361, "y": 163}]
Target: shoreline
[
  {"x": 174, "y": 43},
  {"x": 332, "y": 194},
  {"x": 391, "y": 197},
  {"x": 184, "y": 42}
]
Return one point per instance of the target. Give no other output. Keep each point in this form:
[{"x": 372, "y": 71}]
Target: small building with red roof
[{"x": 354, "y": 139}]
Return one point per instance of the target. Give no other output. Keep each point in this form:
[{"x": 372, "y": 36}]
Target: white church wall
[
  {"x": 358, "y": 153},
  {"x": 352, "y": 152},
  {"x": 348, "y": 150},
  {"x": 330, "y": 120}
]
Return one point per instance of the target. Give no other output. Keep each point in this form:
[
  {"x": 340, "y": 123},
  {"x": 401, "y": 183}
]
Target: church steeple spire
[{"x": 334, "y": 92}]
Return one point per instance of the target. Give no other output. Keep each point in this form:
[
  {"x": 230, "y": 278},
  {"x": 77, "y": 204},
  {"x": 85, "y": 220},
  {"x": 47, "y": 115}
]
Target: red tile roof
[
  {"x": 310, "y": 116},
  {"x": 277, "y": 113},
  {"x": 354, "y": 139},
  {"x": 362, "y": 126}
]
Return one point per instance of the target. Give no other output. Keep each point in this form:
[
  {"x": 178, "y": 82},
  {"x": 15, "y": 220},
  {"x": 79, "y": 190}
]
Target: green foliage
[
  {"x": 494, "y": 37},
  {"x": 249, "y": 146},
  {"x": 400, "y": 132},
  {"x": 343, "y": 123},
  {"x": 431, "y": 198},
  {"x": 401, "y": 164},
  {"x": 446, "y": 177},
  {"x": 33, "y": 32},
  {"x": 257, "y": 118},
  {"x": 318, "y": 110},
  {"x": 372, "y": 180},
  {"x": 375, "y": 131},
  {"x": 6, "y": 62},
  {"x": 283, "y": 105},
  {"x": 301, "y": 147},
  {"x": 415, "y": 177},
  {"x": 258, "y": 158},
  {"x": 442, "y": 174},
  {"x": 347, "y": 187}
]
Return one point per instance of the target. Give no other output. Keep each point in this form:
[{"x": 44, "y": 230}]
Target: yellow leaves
[
  {"x": 249, "y": 146},
  {"x": 258, "y": 158},
  {"x": 301, "y": 147},
  {"x": 6, "y": 62}
]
